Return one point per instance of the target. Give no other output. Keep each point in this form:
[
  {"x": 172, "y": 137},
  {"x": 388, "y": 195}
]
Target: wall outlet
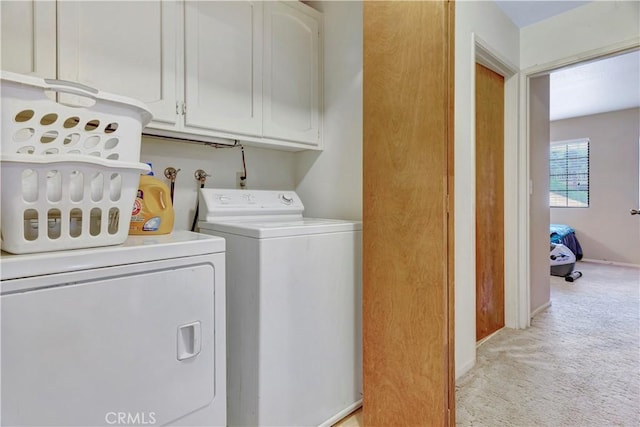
[{"x": 240, "y": 183}]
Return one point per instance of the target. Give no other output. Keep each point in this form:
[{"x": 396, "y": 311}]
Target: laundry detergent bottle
[{"x": 152, "y": 210}]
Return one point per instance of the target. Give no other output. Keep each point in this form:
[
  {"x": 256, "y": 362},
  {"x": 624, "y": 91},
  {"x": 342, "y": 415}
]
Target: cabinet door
[
  {"x": 223, "y": 66},
  {"x": 292, "y": 72},
  {"x": 28, "y": 43},
  {"x": 127, "y": 48}
]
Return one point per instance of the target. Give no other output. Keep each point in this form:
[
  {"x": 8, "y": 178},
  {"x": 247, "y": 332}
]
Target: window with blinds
[{"x": 569, "y": 174}]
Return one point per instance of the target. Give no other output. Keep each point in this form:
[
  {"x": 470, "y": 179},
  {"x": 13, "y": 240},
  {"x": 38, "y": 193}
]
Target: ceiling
[
  {"x": 527, "y": 12},
  {"x": 609, "y": 84}
]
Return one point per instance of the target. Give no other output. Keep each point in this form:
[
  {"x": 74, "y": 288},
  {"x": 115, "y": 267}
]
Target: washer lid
[
  {"x": 268, "y": 227},
  {"x": 135, "y": 249}
]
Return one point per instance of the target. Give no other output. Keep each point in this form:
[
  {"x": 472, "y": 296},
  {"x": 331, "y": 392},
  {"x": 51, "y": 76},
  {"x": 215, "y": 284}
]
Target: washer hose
[{"x": 201, "y": 176}]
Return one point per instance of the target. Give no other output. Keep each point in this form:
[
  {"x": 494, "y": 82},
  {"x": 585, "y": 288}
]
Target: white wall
[
  {"x": 581, "y": 30},
  {"x": 605, "y": 229},
  {"x": 266, "y": 170},
  {"x": 488, "y": 22},
  {"x": 330, "y": 182},
  {"x": 587, "y": 32},
  {"x": 539, "y": 197}
]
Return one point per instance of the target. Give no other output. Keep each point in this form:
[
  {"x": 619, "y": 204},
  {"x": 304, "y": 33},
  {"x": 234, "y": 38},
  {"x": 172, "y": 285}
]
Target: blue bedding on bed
[
  {"x": 562, "y": 233},
  {"x": 559, "y": 232}
]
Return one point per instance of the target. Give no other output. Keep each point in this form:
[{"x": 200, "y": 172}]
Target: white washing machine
[
  {"x": 293, "y": 309},
  {"x": 121, "y": 335}
]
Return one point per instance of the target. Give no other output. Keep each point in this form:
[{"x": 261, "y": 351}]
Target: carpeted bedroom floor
[{"x": 578, "y": 364}]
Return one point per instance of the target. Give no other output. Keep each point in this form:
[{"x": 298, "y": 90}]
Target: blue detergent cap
[{"x": 151, "y": 166}]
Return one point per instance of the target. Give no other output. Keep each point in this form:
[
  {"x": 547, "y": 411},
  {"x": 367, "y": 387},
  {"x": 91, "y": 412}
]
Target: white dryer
[
  {"x": 294, "y": 329},
  {"x": 121, "y": 335}
]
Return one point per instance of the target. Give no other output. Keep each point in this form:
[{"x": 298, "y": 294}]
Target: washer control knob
[{"x": 286, "y": 199}]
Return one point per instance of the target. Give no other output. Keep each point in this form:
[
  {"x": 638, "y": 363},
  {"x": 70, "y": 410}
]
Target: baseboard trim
[
  {"x": 599, "y": 261},
  {"x": 342, "y": 414},
  {"x": 464, "y": 368},
  {"x": 487, "y": 338},
  {"x": 540, "y": 309}
]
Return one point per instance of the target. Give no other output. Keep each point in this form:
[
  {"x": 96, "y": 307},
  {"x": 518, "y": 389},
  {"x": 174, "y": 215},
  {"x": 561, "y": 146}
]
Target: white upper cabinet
[
  {"x": 28, "y": 37},
  {"x": 223, "y": 66},
  {"x": 245, "y": 70},
  {"x": 128, "y": 48},
  {"x": 292, "y": 72}
]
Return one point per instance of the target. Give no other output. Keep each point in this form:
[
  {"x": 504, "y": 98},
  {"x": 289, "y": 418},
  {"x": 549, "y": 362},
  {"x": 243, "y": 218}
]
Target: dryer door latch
[{"x": 189, "y": 340}]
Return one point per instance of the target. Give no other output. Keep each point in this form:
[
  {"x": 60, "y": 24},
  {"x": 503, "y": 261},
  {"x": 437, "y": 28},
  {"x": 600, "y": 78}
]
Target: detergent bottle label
[
  {"x": 152, "y": 211},
  {"x": 137, "y": 207},
  {"x": 138, "y": 213},
  {"x": 152, "y": 224}
]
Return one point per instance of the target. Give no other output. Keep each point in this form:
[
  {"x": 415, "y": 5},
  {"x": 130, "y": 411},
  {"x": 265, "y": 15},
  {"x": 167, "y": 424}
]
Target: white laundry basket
[
  {"x": 43, "y": 117},
  {"x": 70, "y": 160},
  {"x": 65, "y": 202}
]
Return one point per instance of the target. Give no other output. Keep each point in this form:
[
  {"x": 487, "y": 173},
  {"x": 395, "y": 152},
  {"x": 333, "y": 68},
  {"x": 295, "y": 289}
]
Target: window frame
[{"x": 567, "y": 175}]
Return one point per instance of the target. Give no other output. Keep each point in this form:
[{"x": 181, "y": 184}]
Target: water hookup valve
[
  {"x": 201, "y": 177},
  {"x": 171, "y": 174}
]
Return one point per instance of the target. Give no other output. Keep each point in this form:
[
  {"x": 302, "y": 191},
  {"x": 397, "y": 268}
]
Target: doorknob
[{"x": 635, "y": 212}]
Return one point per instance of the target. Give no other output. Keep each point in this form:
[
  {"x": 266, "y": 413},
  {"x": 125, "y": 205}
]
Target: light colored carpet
[{"x": 578, "y": 364}]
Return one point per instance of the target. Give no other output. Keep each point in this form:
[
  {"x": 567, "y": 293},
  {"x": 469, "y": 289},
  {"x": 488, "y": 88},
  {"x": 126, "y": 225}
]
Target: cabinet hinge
[{"x": 177, "y": 107}]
